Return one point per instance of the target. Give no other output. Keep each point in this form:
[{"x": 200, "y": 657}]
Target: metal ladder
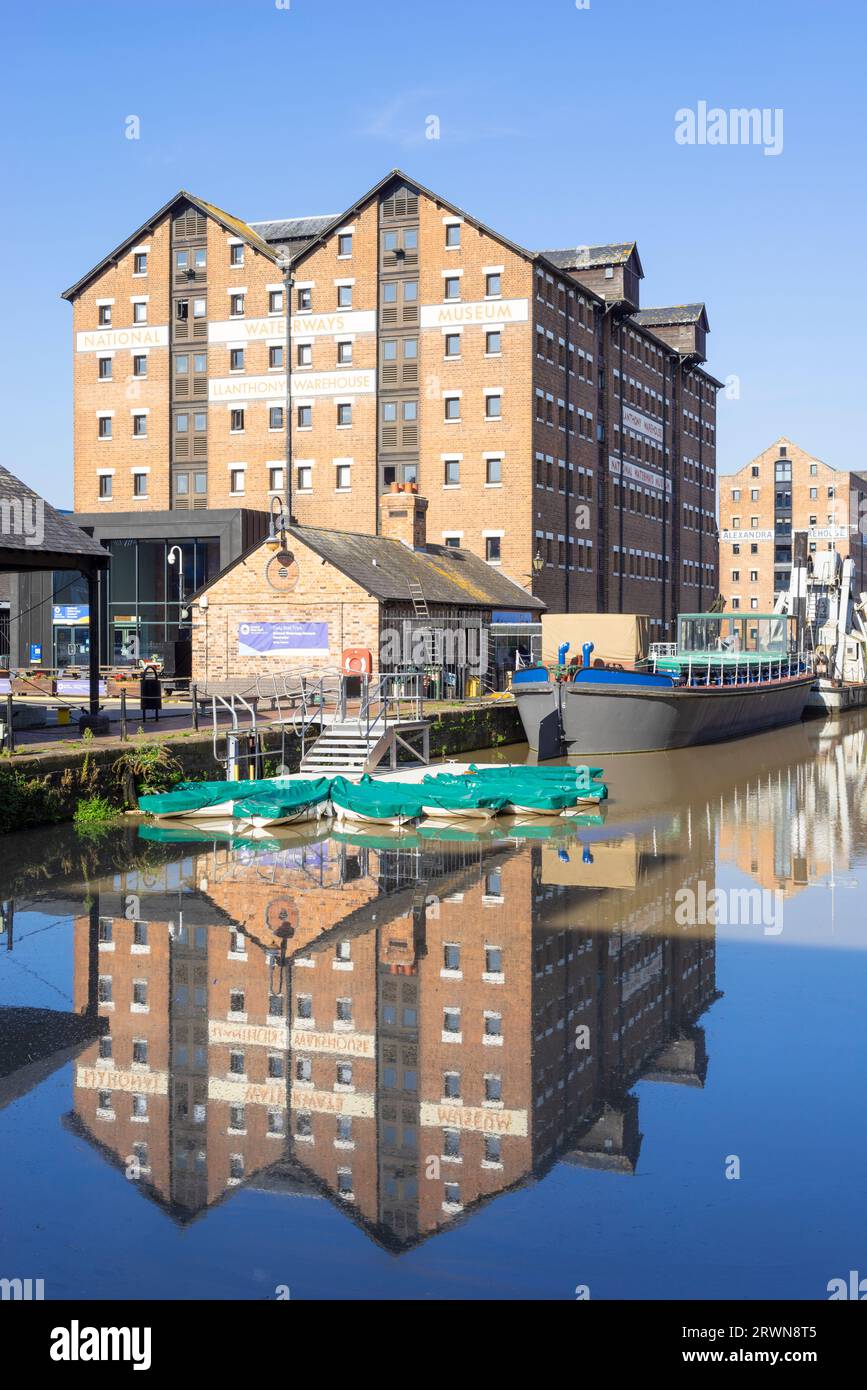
[{"x": 419, "y": 602}]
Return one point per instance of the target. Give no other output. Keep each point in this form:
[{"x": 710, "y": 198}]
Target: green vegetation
[
  {"x": 27, "y": 801},
  {"x": 94, "y": 813},
  {"x": 146, "y": 767}
]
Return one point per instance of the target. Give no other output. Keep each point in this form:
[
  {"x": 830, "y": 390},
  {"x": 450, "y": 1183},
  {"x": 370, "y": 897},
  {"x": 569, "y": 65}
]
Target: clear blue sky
[{"x": 557, "y": 128}]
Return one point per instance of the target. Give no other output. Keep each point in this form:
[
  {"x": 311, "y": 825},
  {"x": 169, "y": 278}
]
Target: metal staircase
[{"x": 389, "y": 720}]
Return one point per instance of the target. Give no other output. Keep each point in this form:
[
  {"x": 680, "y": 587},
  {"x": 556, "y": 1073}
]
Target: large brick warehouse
[{"x": 560, "y": 431}]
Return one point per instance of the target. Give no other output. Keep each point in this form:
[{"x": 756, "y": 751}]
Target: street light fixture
[
  {"x": 538, "y": 563},
  {"x": 176, "y": 555}
]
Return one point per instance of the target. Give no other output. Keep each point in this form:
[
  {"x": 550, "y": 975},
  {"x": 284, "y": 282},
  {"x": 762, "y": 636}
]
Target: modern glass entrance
[{"x": 145, "y": 595}]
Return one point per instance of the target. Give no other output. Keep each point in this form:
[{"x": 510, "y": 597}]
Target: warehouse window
[
  {"x": 492, "y": 549},
  {"x": 236, "y": 422},
  {"x": 105, "y": 486},
  {"x": 236, "y": 254},
  {"x": 275, "y": 357},
  {"x": 104, "y": 369}
]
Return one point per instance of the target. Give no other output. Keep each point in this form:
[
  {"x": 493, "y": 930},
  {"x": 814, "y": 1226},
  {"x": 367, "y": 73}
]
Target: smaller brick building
[{"x": 305, "y": 597}]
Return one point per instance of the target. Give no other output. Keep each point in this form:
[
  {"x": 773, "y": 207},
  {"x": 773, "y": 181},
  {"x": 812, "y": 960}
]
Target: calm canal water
[{"x": 626, "y": 1053}]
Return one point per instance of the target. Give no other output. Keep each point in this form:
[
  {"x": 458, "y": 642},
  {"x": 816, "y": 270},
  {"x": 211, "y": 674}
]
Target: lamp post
[
  {"x": 176, "y": 556},
  {"x": 538, "y": 563}
]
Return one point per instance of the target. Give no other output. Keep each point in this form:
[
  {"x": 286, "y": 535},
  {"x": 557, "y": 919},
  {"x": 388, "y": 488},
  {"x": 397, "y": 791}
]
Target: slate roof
[
  {"x": 592, "y": 257},
  {"x": 18, "y": 522},
  {"x": 673, "y": 313},
  {"x": 293, "y": 228},
  {"x": 384, "y": 567}
]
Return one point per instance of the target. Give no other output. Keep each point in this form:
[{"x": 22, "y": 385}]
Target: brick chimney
[{"x": 403, "y": 517}]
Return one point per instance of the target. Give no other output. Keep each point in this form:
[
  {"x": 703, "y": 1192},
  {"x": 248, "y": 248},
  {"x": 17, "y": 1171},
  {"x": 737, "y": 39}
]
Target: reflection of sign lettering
[
  {"x": 248, "y": 1034},
  {"x": 314, "y": 326},
  {"x": 478, "y": 1119},
  {"x": 345, "y": 1044},
  {"x": 332, "y": 1103},
  {"x": 106, "y": 338},
  {"x": 247, "y": 1093},
  {"x": 487, "y": 312},
  {"x": 634, "y": 420},
  {"x": 146, "y": 1083},
  {"x": 643, "y": 476}
]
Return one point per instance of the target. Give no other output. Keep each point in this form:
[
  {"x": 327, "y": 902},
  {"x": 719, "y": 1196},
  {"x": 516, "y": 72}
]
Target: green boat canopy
[{"x": 287, "y": 800}]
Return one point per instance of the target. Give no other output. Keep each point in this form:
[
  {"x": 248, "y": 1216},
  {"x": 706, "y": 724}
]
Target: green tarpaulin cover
[
  {"x": 195, "y": 796},
  {"x": 381, "y": 800},
  {"x": 288, "y": 800}
]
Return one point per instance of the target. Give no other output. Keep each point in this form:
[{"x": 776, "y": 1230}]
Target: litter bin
[{"x": 150, "y": 692}]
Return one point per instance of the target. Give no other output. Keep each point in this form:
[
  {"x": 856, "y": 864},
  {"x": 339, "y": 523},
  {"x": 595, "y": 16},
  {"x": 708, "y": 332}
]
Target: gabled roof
[
  {"x": 595, "y": 257},
  {"x": 226, "y": 220},
  {"x": 385, "y": 567},
  {"x": 672, "y": 314},
  {"x": 397, "y": 175},
  {"x": 60, "y": 539}
]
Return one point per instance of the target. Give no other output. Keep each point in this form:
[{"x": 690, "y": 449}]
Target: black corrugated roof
[
  {"x": 385, "y": 567},
  {"x": 58, "y": 536}
]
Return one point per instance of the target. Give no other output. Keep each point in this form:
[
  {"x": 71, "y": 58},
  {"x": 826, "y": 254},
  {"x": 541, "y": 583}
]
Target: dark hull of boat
[
  {"x": 623, "y": 719},
  {"x": 541, "y": 716}
]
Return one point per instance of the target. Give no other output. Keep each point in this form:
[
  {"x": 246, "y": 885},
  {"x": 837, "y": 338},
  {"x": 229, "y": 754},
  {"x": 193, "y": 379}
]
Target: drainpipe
[
  {"x": 622, "y": 479},
  {"x": 700, "y": 496},
  {"x": 288, "y": 286},
  {"x": 568, "y": 497}
]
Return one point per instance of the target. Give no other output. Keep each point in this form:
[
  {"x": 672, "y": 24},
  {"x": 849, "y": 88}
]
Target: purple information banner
[{"x": 283, "y": 639}]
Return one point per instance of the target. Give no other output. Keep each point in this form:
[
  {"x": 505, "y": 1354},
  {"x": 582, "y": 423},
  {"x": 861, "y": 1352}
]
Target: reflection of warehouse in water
[{"x": 398, "y": 1030}]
